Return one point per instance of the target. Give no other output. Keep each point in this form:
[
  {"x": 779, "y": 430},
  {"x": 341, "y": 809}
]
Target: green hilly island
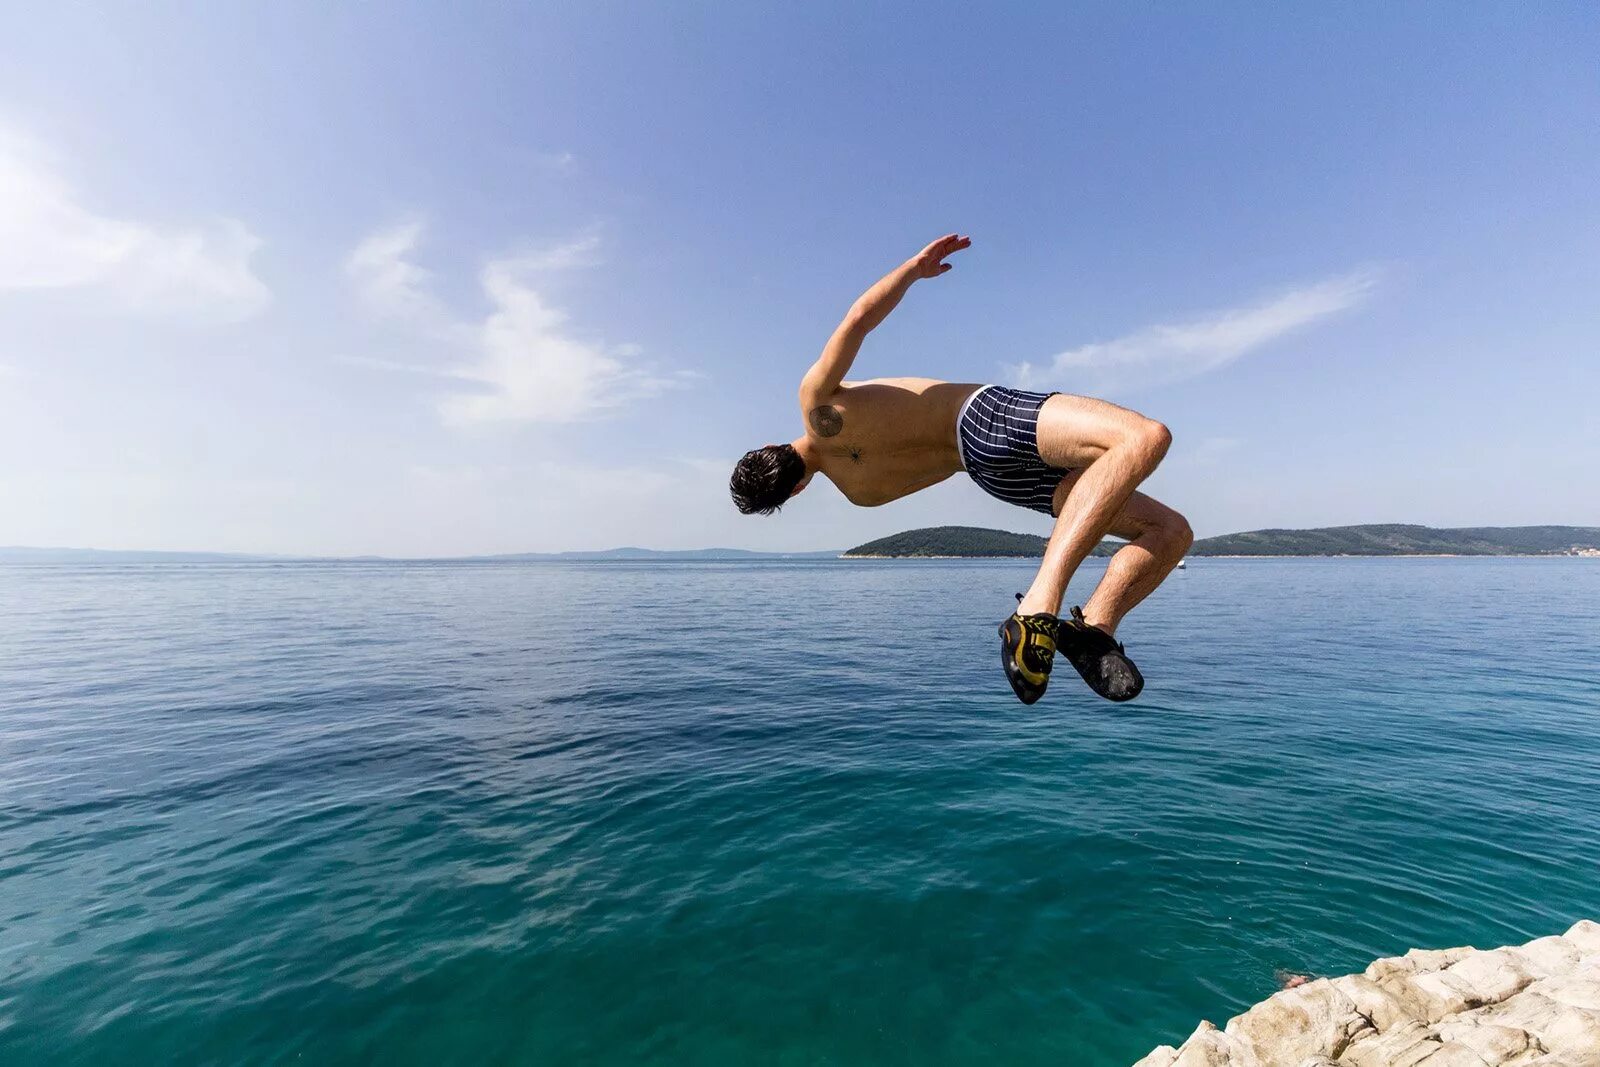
[{"x": 1385, "y": 539}]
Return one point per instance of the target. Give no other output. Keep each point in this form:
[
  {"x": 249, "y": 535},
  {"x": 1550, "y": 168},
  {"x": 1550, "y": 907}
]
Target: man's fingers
[{"x": 944, "y": 246}]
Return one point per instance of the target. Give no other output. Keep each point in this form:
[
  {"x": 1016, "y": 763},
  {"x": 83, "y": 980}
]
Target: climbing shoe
[
  {"x": 1027, "y": 648},
  {"x": 1099, "y": 658}
]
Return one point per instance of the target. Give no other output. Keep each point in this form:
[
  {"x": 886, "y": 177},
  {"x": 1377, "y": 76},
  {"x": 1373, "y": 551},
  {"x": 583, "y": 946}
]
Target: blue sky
[{"x": 440, "y": 279}]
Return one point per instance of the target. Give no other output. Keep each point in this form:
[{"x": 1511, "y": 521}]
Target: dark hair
[{"x": 765, "y": 477}]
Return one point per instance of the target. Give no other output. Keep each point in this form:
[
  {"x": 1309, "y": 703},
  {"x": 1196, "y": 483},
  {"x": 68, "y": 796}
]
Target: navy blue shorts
[{"x": 998, "y": 432}]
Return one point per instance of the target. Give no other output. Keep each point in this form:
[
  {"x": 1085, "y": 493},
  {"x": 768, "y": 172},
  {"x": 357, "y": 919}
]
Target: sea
[{"x": 779, "y": 812}]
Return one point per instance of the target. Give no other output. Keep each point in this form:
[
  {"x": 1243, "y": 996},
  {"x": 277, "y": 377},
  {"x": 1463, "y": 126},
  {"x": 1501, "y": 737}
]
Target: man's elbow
[{"x": 856, "y": 323}]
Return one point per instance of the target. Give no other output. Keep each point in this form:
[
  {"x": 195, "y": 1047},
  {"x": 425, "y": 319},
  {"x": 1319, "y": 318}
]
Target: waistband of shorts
[{"x": 961, "y": 416}]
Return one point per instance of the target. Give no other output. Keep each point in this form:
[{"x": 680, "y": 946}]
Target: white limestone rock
[
  {"x": 1585, "y": 934},
  {"x": 1382, "y": 1007},
  {"x": 1206, "y": 1047},
  {"x": 1408, "y": 1044},
  {"x": 1576, "y": 991},
  {"x": 1547, "y": 956},
  {"x": 1442, "y": 994},
  {"x": 1493, "y": 1043},
  {"x": 1310, "y": 1020},
  {"x": 1533, "y": 1005},
  {"x": 1491, "y": 976}
]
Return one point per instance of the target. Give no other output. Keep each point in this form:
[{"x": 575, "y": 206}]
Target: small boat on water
[{"x": 1182, "y": 563}]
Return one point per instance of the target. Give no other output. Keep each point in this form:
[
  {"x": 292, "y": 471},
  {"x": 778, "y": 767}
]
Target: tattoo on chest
[
  {"x": 855, "y": 454},
  {"x": 827, "y": 420}
]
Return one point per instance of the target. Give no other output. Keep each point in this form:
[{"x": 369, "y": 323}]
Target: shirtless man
[{"x": 1077, "y": 459}]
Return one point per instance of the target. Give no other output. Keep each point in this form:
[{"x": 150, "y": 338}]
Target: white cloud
[
  {"x": 1161, "y": 354},
  {"x": 386, "y": 281},
  {"x": 50, "y": 240},
  {"x": 532, "y": 369},
  {"x": 522, "y": 359}
]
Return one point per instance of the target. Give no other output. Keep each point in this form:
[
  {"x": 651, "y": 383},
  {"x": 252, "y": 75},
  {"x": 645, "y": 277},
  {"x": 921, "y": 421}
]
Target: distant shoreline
[
  {"x": 1370, "y": 541},
  {"x": 1382, "y": 539}
]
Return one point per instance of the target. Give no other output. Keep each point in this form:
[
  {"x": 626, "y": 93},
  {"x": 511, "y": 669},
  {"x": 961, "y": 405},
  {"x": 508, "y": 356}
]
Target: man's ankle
[
  {"x": 1100, "y": 622},
  {"x": 1037, "y": 605}
]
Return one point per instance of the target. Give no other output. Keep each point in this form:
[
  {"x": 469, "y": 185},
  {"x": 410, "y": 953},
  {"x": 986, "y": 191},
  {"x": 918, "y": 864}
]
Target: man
[{"x": 1072, "y": 457}]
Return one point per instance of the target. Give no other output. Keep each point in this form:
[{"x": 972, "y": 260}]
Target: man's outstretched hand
[
  {"x": 867, "y": 312},
  {"x": 929, "y": 263}
]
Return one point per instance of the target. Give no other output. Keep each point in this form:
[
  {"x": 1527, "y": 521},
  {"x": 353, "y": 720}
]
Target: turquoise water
[{"x": 782, "y": 813}]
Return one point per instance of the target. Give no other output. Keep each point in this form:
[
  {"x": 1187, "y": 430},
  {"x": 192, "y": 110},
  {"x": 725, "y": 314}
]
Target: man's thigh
[{"x": 1074, "y": 431}]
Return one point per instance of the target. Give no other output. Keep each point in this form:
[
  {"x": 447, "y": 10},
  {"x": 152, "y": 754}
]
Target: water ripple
[{"x": 625, "y": 813}]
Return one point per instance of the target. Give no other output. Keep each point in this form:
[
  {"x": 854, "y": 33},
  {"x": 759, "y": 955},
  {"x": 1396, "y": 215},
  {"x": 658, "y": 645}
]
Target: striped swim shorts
[{"x": 998, "y": 433}]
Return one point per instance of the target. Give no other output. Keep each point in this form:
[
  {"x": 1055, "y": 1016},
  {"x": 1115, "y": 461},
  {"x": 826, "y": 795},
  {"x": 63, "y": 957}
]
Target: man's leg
[
  {"x": 1111, "y": 450},
  {"x": 1157, "y": 539}
]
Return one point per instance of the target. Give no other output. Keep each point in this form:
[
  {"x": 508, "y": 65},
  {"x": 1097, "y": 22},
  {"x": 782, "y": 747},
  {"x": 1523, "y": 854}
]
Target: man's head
[{"x": 766, "y": 477}]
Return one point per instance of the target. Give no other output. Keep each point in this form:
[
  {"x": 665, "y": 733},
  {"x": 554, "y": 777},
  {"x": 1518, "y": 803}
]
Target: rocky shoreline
[{"x": 1533, "y": 1005}]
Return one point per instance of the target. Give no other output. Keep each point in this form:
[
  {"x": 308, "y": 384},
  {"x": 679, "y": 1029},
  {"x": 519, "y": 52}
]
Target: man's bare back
[
  {"x": 1075, "y": 458},
  {"x": 886, "y": 438}
]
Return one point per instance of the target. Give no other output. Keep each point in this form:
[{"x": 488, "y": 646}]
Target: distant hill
[
  {"x": 1403, "y": 540},
  {"x": 937, "y": 541},
  {"x": 1371, "y": 540}
]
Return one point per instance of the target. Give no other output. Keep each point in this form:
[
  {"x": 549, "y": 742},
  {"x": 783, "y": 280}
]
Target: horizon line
[{"x": 376, "y": 557}]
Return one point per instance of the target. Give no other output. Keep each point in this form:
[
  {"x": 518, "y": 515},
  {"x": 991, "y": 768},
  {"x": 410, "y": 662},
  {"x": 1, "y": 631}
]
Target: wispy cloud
[
  {"x": 386, "y": 280},
  {"x": 523, "y": 359},
  {"x": 51, "y": 240},
  {"x": 1161, "y": 354},
  {"x": 532, "y": 369}
]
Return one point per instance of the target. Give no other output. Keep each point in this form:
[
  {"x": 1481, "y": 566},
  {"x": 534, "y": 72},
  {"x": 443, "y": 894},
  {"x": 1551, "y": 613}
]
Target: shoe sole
[
  {"x": 1027, "y": 695},
  {"x": 1123, "y": 666}
]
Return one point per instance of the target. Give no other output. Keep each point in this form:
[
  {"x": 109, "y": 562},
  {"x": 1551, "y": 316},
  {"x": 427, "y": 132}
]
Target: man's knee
[
  {"x": 1155, "y": 437},
  {"x": 1181, "y": 534},
  {"x": 1170, "y": 536},
  {"x": 1151, "y": 439}
]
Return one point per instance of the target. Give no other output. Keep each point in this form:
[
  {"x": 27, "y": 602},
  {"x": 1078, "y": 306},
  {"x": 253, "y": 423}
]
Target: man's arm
[{"x": 874, "y": 305}]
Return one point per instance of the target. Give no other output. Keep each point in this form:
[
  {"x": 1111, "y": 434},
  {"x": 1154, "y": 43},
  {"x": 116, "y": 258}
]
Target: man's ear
[{"x": 801, "y": 484}]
